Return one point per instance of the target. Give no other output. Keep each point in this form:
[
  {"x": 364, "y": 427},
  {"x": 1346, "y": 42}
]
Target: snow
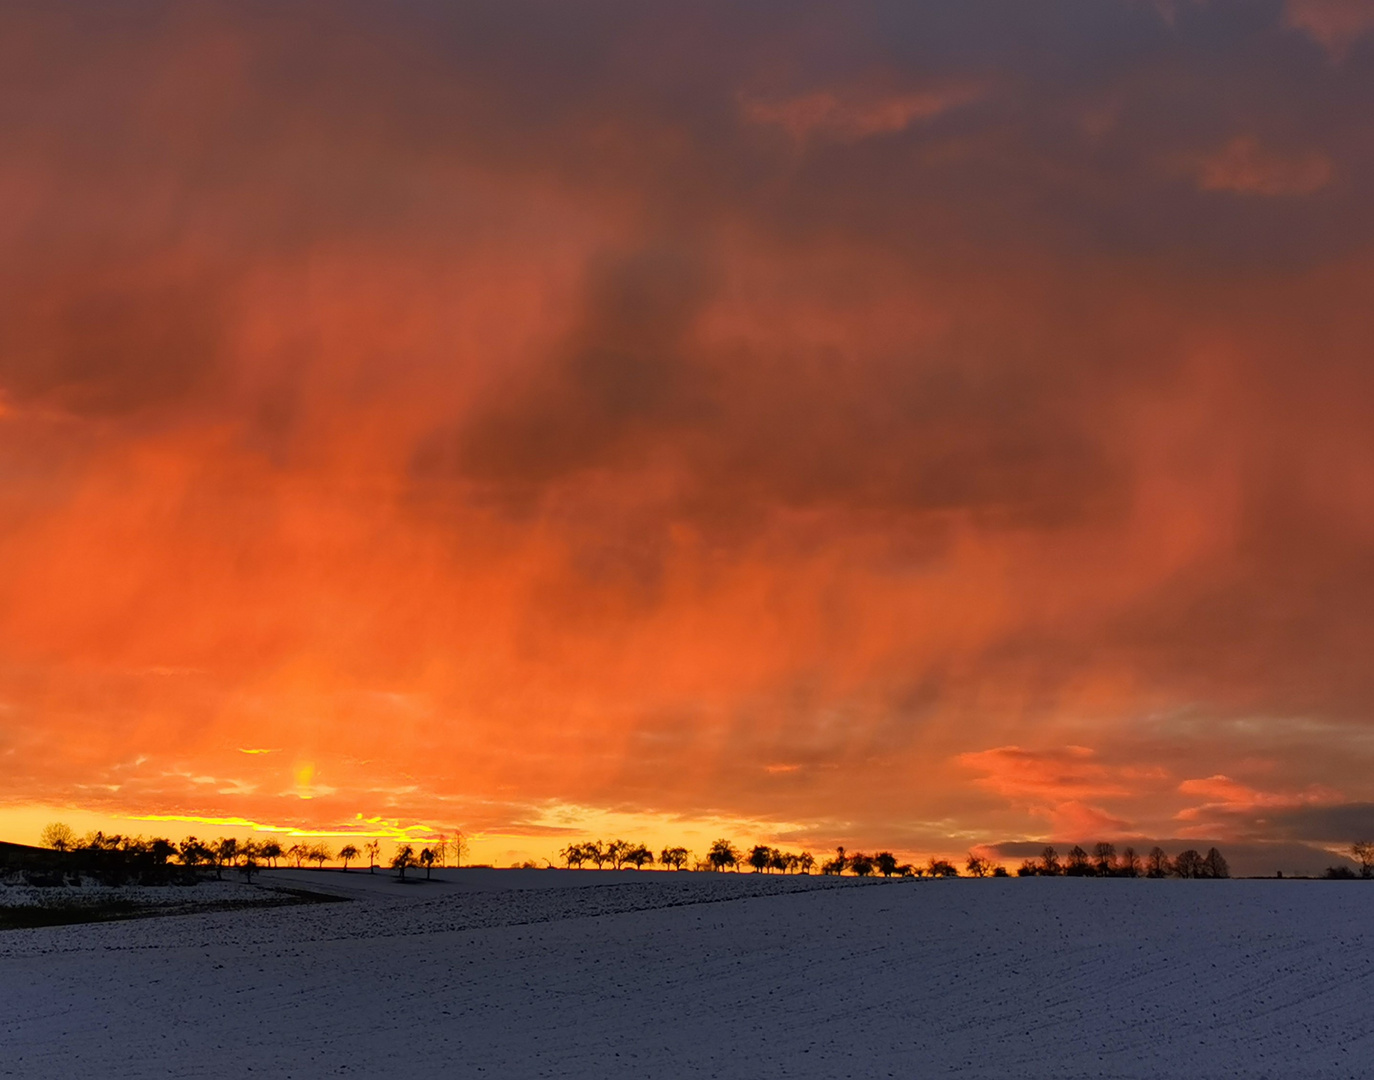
[
  {"x": 93, "y": 895},
  {"x": 518, "y": 974}
]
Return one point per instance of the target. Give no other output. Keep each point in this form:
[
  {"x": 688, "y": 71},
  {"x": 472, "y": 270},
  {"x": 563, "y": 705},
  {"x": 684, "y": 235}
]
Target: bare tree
[
  {"x": 639, "y": 856},
  {"x": 573, "y": 855},
  {"x": 320, "y": 854},
  {"x": 1363, "y": 853},
  {"x": 58, "y": 836},
  {"x": 460, "y": 847},
  {"x": 248, "y": 853},
  {"x": 675, "y": 857},
  {"x": 271, "y": 850},
  {"x": 374, "y": 852},
  {"x": 403, "y": 860},
  {"x": 1157, "y": 863},
  {"x": 1214, "y": 865},
  {"x": 1049, "y": 862},
  {"x": 806, "y": 861},
  {"x": 1189, "y": 864},
  {"x": 427, "y": 859},
  {"x": 616, "y": 851},
  {"x": 723, "y": 854},
  {"x": 977, "y": 865},
  {"x": 298, "y": 853},
  {"x": 441, "y": 849},
  {"x": 224, "y": 851},
  {"x": 1076, "y": 865},
  {"x": 941, "y": 868},
  {"x": 837, "y": 865},
  {"x": 347, "y": 854},
  {"x": 1104, "y": 854},
  {"x": 193, "y": 853},
  {"x": 595, "y": 852},
  {"x": 1130, "y": 863}
]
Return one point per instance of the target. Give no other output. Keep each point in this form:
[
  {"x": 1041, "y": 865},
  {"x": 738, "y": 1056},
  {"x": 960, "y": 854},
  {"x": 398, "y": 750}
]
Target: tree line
[
  {"x": 723, "y": 855},
  {"x": 1102, "y": 861},
  {"x": 1105, "y": 861},
  {"x": 119, "y": 860}
]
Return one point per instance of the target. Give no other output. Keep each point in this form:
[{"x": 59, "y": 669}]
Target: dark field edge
[{"x": 34, "y": 916}]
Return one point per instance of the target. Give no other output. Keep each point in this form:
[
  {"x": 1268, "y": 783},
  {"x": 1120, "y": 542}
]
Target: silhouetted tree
[
  {"x": 1189, "y": 864},
  {"x": 886, "y": 863},
  {"x": 1076, "y": 864},
  {"x": 403, "y": 860},
  {"x": 192, "y": 853},
  {"x": 759, "y": 857},
  {"x": 593, "y": 852},
  {"x": 160, "y": 849},
  {"x": 347, "y": 854},
  {"x": 298, "y": 853},
  {"x": 460, "y": 847},
  {"x": 837, "y": 865},
  {"x": 616, "y": 851},
  {"x": 248, "y": 853},
  {"x": 1214, "y": 865},
  {"x": 271, "y": 850},
  {"x": 225, "y": 850},
  {"x": 1130, "y": 863},
  {"x": 1000, "y": 871},
  {"x": 1104, "y": 854},
  {"x": 861, "y": 864},
  {"x": 441, "y": 849},
  {"x": 59, "y": 837},
  {"x": 374, "y": 852},
  {"x": 805, "y": 862},
  {"x": 1157, "y": 863},
  {"x": 427, "y": 859},
  {"x": 573, "y": 855},
  {"x": 675, "y": 857},
  {"x": 1363, "y": 853},
  {"x": 977, "y": 865},
  {"x": 1049, "y": 862},
  {"x": 780, "y": 860},
  {"x": 639, "y": 856},
  {"x": 941, "y": 868},
  {"x": 723, "y": 854},
  {"x": 1028, "y": 868}
]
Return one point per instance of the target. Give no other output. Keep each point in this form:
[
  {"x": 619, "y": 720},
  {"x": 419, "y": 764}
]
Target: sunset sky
[{"x": 882, "y": 423}]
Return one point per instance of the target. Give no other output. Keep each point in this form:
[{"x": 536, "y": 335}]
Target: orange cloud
[
  {"x": 1225, "y": 798},
  {"x": 489, "y": 415}
]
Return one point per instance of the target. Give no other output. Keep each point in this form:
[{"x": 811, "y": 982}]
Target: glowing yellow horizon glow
[{"x": 561, "y": 824}]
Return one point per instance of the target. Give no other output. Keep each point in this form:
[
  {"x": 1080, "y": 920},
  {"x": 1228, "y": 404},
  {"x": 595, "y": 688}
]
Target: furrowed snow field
[{"x": 588, "y": 975}]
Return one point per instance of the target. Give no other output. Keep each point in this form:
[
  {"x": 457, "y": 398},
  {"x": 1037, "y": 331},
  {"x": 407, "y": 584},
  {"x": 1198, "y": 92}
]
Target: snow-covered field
[{"x": 588, "y": 975}]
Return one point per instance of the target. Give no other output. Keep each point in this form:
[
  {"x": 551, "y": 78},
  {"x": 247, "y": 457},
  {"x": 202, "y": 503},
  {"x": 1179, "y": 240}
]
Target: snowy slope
[{"x": 715, "y": 975}]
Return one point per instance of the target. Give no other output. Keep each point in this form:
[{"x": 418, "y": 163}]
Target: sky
[{"x": 893, "y": 423}]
